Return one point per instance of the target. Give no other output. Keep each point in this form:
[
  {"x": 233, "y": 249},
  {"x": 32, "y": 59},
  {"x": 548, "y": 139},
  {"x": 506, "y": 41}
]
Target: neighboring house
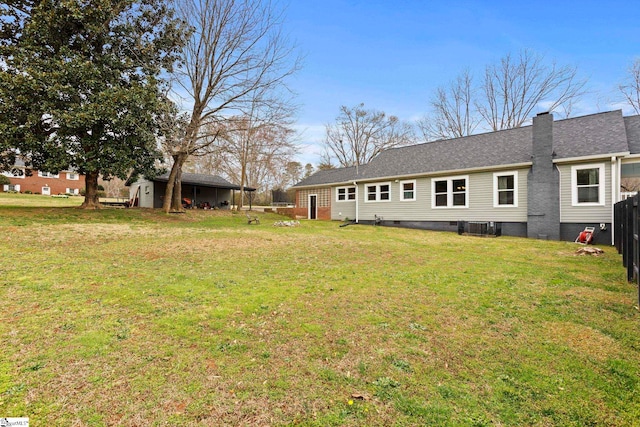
[
  {"x": 548, "y": 181},
  {"x": 39, "y": 182},
  {"x": 199, "y": 190}
]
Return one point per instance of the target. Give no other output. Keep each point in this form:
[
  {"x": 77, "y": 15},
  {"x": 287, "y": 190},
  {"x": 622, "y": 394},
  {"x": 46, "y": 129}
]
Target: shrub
[
  {"x": 29, "y": 192},
  {"x": 4, "y": 180}
]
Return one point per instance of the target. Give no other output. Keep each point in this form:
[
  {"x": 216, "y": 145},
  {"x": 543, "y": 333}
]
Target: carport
[{"x": 202, "y": 191}]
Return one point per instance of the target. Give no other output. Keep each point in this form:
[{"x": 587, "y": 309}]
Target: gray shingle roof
[
  {"x": 632, "y": 124},
  {"x": 337, "y": 175},
  {"x": 592, "y": 135},
  {"x": 203, "y": 181}
]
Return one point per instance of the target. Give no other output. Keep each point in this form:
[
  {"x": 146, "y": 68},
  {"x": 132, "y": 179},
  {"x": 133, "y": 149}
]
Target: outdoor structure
[
  {"x": 549, "y": 180},
  {"x": 198, "y": 191},
  {"x": 39, "y": 182}
]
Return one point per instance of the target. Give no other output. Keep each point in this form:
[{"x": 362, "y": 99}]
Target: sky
[{"x": 393, "y": 55}]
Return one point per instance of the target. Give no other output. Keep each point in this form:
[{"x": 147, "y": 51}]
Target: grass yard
[{"x": 134, "y": 318}]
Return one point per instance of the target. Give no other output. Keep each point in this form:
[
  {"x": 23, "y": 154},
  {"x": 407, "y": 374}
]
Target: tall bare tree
[
  {"x": 454, "y": 113},
  {"x": 236, "y": 49},
  {"x": 256, "y": 154},
  {"x": 516, "y": 86},
  {"x": 506, "y": 97},
  {"x": 358, "y": 135},
  {"x": 630, "y": 88}
]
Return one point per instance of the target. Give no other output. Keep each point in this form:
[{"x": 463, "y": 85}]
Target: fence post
[
  {"x": 627, "y": 237},
  {"x": 628, "y": 232},
  {"x": 617, "y": 229},
  {"x": 636, "y": 243}
]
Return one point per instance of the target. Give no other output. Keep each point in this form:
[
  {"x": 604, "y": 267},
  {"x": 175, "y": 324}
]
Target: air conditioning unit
[{"x": 480, "y": 228}]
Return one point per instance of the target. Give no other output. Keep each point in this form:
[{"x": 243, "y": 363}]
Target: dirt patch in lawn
[{"x": 583, "y": 340}]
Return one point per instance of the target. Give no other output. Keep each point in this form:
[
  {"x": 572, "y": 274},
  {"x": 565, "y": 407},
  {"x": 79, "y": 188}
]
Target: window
[
  {"x": 505, "y": 189},
  {"x": 450, "y": 192},
  {"x": 14, "y": 173},
  {"x": 378, "y": 192},
  {"x": 73, "y": 176},
  {"x": 587, "y": 185},
  {"x": 407, "y": 191},
  {"x": 74, "y": 191},
  {"x": 345, "y": 193},
  {"x": 47, "y": 175},
  {"x": 384, "y": 192}
]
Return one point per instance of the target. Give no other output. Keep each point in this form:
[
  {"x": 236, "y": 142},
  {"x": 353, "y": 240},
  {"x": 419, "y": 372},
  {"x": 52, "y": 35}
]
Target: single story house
[
  {"x": 549, "y": 180},
  {"x": 40, "y": 182},
  {"x": 199, "y": 190}
]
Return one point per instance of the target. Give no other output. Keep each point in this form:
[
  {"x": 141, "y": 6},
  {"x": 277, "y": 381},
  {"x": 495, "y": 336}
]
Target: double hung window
[
  {"x": 587, "y": 185},
  {"x": 505, "y": 189},
  {"x": 407, "y": 191},
  {"x": 345, "y": 193},
  {"x": 378, "y": 192},
  {"x": 450, "y": 192}
]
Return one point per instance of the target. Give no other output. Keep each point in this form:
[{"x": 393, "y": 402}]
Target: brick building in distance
[{"x": 39, "y": 182}]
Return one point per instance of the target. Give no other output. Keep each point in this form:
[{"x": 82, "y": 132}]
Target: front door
[{"x": 313, "y": 206}]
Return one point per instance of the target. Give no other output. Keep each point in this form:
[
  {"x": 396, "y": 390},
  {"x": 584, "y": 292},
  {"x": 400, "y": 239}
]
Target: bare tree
[
  {"x": 518, "y": 85},
  {"x": 453, "y": 111},
  {"x": 253, "y": 148},
  {"x": 236, "y": 49},
  {"x": 630, "y": 88},
  {"x": 326, "y": 161},
  {"x": 358, "y": 135}
]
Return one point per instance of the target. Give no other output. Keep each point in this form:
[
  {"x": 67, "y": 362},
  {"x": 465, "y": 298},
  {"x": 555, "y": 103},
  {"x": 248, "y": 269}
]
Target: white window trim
[
  {"x": 346, "y": 194},
  {"x": 415, "y": 189},
  {"x": 77, "y": 176},
  {"x": 601, "y": 184},
  {"x": 49, "y": 175},
  {"x": 10, "y": 174},
  {"x": 377, "y": 185},
  {"x": 496, "y": 199},
  {"x": 449, "y": 180}
]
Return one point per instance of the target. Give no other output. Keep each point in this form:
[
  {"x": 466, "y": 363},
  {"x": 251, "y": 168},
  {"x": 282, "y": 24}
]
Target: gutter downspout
[
  {"x": 615, "y": 192},
  {"x": 357, "y": 208}
]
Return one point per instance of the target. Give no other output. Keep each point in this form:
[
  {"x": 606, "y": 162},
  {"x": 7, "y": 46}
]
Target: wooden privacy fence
[{"x": 627, "y": 224}]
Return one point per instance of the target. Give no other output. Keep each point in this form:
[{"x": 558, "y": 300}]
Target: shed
[{"x": 200, "y": 190}]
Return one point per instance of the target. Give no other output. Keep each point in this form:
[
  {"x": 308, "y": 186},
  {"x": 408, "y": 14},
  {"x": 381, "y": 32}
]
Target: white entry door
[{"x": 46, "y": 191}]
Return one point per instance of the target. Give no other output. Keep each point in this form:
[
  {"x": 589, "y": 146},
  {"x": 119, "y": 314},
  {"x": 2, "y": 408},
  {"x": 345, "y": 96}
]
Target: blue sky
[{"x": 392, "y": 55}]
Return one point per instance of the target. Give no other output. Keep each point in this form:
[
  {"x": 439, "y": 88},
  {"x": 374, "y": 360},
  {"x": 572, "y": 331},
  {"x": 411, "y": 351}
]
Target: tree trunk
[
  {"x": 91, "y": 191},
  {"x": 243, "y": 173},
  {"x": 173, "y": 194}
]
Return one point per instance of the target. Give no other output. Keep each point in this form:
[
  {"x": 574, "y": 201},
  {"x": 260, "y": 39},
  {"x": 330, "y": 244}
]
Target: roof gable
[
  {"x": 592, "y": 135},
  {"x": 632, "y": 125}
]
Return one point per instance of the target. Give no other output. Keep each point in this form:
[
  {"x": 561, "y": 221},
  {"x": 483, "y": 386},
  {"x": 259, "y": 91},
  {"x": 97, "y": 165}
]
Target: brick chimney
[{"x": 543, "y": 183}]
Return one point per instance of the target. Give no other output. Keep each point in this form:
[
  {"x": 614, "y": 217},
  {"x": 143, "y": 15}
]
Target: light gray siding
[
  {"x": 480, "y": 204},
  {"x": 146, "y": 194},
  {"x": 341, "y": 210},
  {"x": 584, "y": 214}
]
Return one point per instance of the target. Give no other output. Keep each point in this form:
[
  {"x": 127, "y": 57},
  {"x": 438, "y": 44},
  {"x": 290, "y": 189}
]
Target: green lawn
[{"x": 133, "y": 317}]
